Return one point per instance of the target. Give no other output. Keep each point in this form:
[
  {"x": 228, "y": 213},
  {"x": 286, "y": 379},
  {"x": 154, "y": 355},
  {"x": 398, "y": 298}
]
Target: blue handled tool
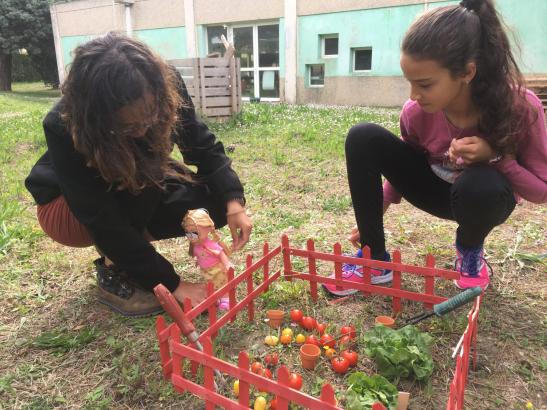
[{"x": 449, "y": 305}]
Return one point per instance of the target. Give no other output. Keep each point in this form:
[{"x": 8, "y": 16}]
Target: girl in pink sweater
[{"x": 473, "y": 139}]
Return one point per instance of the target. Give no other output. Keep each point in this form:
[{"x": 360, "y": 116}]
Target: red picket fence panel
[{"x": 174, "y": 353}]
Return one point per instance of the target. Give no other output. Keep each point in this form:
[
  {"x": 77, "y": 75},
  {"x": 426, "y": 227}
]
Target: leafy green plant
[
  {"x": 364, "y": 391},
  {"x": 399, "y": 353}
]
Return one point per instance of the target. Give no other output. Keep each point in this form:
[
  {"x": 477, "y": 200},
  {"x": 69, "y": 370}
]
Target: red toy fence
[{"x": 174, "y": 353}]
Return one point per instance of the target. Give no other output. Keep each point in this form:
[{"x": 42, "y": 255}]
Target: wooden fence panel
[{"x": 214, "y": 84}]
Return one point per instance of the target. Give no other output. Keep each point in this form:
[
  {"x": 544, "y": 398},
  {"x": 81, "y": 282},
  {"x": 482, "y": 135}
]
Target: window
[
  {"x": 316, "y": 75},
  {"x": 214, "y": 43},
  {"x": 329, "y": 46},
  {"x": 362, "y": 59}
]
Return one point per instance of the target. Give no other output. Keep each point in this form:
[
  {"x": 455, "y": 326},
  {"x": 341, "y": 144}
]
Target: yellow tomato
[
  {"x": 287, "y": 331},
  {"x": 271, "y": 340},
  {"x": 260, "y": 403},
  {"x": 330, "y": 353},
  {"x": 236, "y": 388},
  {"x": 300, "y": 338}
]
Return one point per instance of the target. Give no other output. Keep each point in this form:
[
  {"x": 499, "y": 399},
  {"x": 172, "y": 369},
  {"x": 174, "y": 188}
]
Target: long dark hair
[
  {"x": 473, "y": 32},
  {"x": 107, "y": 74}
]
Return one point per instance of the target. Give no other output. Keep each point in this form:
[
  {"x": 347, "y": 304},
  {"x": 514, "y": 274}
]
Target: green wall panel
[
  {"x": 68, "y": 44},
  {"x": 383, "y": 29},
  {"x": 168, "y": 42}
]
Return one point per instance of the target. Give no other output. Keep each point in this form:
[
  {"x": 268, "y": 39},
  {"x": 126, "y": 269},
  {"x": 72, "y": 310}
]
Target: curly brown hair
[
  {"x": 108, "y": 73},
  {"x": 474, "y": 32}
]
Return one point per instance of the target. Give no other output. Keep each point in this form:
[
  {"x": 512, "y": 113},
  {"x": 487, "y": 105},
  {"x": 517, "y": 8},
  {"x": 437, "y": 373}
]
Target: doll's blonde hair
[{"x": 200, "y": 217}]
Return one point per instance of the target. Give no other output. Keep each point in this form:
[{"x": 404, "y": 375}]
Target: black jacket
[{"x": 116, "y": 219}]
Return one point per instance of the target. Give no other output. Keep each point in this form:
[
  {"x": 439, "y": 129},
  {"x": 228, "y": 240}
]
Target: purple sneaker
[
  {"x": 355, "y": 273},
  {"x": 474, "y": 269}
]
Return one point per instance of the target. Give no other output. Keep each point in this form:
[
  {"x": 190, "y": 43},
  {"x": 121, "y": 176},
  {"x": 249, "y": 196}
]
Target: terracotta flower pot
[
  {"x": 385, "y": 320},
  {"x": 276, "y": 317},
  {"x": 309, "y": 354}
]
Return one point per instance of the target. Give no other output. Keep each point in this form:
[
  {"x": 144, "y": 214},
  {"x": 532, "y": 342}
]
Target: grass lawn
[{"x": 61, "y": 349}]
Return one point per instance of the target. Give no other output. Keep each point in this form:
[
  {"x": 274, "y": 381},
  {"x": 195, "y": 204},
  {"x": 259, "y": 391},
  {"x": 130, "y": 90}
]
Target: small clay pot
[
  {"x": 309, "y": 354},
  {"x": 276, "y": 317},
  {"x": 387, "y": 321}
]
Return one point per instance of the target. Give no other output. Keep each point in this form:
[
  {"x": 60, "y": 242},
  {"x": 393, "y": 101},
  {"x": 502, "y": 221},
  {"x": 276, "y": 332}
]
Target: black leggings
[{"x": 480, "y": 199}]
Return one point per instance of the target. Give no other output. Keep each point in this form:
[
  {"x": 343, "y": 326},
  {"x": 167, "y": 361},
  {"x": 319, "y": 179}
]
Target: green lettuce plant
[
  {"x": 401, "y": 353},
  {"x": 364, "y": 391}
]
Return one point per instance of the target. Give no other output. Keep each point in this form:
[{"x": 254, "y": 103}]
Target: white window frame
[
  {"x": 353, "y": 52},
  {"x": 256, "y": 68},
  {"x": 308, "y": 74},
  {"x": 323, "y": 38}
]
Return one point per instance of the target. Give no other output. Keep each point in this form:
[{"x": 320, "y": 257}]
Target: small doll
[{"x": 211, "y": 254}]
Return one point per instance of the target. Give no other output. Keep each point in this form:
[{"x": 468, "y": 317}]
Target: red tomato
[
  {"x": 271, "y": 359},
  {"x": 295, "y": 381},
  {"x": 340, "y": 364},
  {"x": 348, "y": 330},
  {"x": 345, "y": 341},
  {"x": 321, "y": 328},
  {"x": 308, "y": 323},
  {"x": 327, "y": 340},
  {"x": 312, "y": 339},
  {"x": 256, "y": 367},
  {"x": 273, "y": 404},
  {"x": 267, "y": 373},
  {"x": 296, "y": 315},
  {"x": 352, "y": 356}
]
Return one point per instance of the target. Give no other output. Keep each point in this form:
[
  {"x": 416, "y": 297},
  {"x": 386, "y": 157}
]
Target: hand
[
  {"x": 239, "y": 223},
  {"x": 197, "y": 292},
  {"x": 470, "y": 150}
]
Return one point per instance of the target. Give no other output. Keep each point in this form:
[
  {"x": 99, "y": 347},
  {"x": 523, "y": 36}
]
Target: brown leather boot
[{"x": 127, "y": 299}]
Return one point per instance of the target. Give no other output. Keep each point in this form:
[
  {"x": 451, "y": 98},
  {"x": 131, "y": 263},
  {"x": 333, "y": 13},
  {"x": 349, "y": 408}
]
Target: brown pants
[{"x": 61, "y": 225}]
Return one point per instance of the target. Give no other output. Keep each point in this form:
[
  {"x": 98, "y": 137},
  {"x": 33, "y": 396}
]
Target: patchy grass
[{"x": 60, "y": 349}]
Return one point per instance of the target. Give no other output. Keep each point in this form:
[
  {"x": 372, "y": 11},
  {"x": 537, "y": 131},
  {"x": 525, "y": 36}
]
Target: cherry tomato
[
  {"x": 308, "y": 323},
  {"x": 321, "y": 327},
  {"x": 273, "y": 404},
  {"x": 285, "y": 339},
  {"x": 271, "y": 340},
  {"x": 295, "y": 381},
  {"x": 340, "y": 364},
  {"x": 330, "y": 352},
  {"x": 287, "y": 331},
  {"x": 300, "y": 338},
  {"x": 296, "y": 315},
  {"x": 271, "y": 359},
  {"x": 260, "y": 403},
  {"x": 352, "y": 356},
  {"x": 267, "y": 373},
  {"x": 312, "y": 339},
  {"x": 327, "y": 340},
  {"x": 256, "y": 367},
  {"x": 348, "y": 330},
  {"x": 345, "y": 341},
  {"x": 236, "y": 388}
]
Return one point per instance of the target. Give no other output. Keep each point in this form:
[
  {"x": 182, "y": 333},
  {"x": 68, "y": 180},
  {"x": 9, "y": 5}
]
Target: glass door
[{"x": 257, "y": 47}]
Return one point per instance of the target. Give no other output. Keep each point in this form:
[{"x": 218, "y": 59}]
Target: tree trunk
[{"x": 5, "y": 72}]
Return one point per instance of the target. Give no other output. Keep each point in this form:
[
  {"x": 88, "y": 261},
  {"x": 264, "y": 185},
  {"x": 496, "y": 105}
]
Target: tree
[{"x": 27, "y": 24}]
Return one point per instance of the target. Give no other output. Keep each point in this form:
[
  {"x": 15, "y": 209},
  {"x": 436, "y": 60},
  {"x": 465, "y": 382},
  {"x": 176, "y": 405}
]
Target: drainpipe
[
  {"x": 190, "y": 24},
  {"x": 291, "y": 47},
  {"x": 128, "y": 22}
]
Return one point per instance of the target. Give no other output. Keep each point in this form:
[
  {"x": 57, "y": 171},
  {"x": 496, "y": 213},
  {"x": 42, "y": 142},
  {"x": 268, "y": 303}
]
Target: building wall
[
  {"x": 212, "y": 12},
  {"x": 379, "y": 24}
]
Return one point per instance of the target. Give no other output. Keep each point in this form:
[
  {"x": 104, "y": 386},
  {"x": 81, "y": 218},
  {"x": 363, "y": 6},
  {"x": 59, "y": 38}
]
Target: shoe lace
[{"x": 471, "y": 262}]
